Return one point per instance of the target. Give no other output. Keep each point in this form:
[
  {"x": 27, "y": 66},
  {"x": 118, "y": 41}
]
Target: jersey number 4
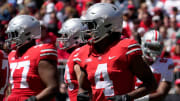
[
  {"x": 19, "y": 65},
  {"x": 106, "y": 83}
]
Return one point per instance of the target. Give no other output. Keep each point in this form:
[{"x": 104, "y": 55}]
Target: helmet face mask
[
  {"x": 152, "y": 45},
  {"x": 94, "y": 26},
  {"x": 22, "y": 29},
  {"x": 152, "y": 52}
]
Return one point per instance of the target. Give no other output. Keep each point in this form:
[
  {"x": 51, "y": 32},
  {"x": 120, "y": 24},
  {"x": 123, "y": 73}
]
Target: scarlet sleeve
[
  {"x": 133, "y": 49},
  {"x": 75, "y": 57},
  {"x": 49, "y": 52}
]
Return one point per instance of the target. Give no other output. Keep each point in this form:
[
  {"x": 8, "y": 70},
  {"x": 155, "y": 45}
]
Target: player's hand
[
  {"x": 32, "y": 98},
  {"x": 83, "y": 96},
  {"x": 120, "y": 98}
]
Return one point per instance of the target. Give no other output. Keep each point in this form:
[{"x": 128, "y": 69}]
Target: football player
[
  {"x": 70, "y": 37},
  {"x": 4, "y": 73},
  {"x": 162, "y": 68},
  {"x": 33, "y": 71},
  {"x": 110, "y": 63}
]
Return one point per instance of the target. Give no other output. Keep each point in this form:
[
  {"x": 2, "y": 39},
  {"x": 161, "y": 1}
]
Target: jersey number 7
[{"x": 19, "y": 65}]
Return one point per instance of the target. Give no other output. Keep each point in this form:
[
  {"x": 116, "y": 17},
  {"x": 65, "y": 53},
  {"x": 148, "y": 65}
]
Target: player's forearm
[
  {"x": 77, "y": 70},
  {"x": 147, "y": 88},
  {"x": 49, "y": 75},
  {"x": 47, "y": 94},
  {"x": 161, "y": 91},
  {"x": 81, "y": 79},
  {"x": 157, "y": 96},
  {"x": 139, "y": 92}
]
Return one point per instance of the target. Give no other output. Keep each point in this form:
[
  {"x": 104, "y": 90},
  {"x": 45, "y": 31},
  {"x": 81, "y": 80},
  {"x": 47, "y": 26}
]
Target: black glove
[
  {"x": 120, "y": 98},
  {"x": 32, "y": 98},
  {"x": 83, "y": 96}
]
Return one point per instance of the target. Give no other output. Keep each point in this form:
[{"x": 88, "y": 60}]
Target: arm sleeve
[
  {"x": 133, "y": 50},
  {"x": 48, "y": 52}
]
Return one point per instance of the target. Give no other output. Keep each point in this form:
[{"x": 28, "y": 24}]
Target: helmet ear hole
[
  {"x": 27, "y": 34},
  {"x": 32, "y": 19},
  {"x": 29, "y": 39},
  {"x": 76, "y": 37},
  {"x": 108, "y": 25},
  {"x": 114, "y": 8}
]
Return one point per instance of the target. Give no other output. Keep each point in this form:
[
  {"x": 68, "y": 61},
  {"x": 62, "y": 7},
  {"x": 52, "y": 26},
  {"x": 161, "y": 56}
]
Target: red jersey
[
  {"x": 4, "y": 73},
  {"x": 24, "y": 77},
  {"x": 70, "y": 76},
  {"x": 109, "y": 73}
]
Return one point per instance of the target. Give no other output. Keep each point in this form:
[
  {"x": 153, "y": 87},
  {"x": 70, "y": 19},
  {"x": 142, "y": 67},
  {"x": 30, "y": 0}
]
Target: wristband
[
  {"x": 124, "y": 97},
  {"x": 32, "y": 98},
  {"x": 144, "y": 98}
]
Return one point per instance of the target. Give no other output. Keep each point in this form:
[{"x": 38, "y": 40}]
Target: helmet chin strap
[
  {"x": 99, "y": 39},
  {"x": 19, "y": 43}
]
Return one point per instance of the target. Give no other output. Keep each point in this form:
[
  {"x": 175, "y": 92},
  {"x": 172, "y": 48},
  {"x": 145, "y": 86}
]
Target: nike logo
[
  {"x": 13, "y": 58},
  {"x": 26, "y": 57},
  {"x": 76, "y": 54},
  {"x": 88, "y": 60},
  {"x": 111, "y": 57}
]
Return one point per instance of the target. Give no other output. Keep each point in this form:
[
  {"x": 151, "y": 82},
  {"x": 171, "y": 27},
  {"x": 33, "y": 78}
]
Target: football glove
[
  {"x": 32, "y": 98},
  {"x": 83, "y": 96},
  {"x": 144, "y": 98},
  {"x": 120, "y": 98}
]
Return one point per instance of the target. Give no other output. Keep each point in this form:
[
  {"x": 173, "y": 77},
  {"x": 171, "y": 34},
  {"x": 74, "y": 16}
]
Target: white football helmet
[
  {"x": 70, "y": 33},
  {"x": 103, "y": 18},
  {"x": 152, "y": 45},
  {"x": 23, "y": 28}
]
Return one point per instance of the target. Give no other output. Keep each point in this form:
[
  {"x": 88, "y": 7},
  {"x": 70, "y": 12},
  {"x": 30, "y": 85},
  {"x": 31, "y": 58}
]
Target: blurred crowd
[{"x": 139, "y": 17}]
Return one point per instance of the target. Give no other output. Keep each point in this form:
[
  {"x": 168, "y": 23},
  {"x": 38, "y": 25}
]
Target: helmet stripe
[{"x": 156, "y": 35}]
